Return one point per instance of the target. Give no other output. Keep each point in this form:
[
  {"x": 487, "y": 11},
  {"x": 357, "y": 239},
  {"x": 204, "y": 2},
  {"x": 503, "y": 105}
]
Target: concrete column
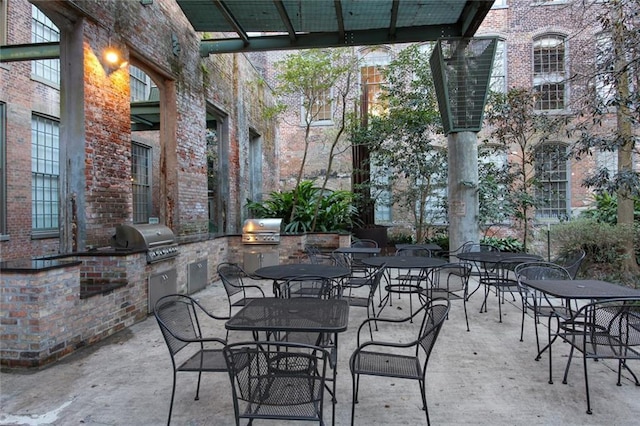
[{"x": 463, "y": 186}]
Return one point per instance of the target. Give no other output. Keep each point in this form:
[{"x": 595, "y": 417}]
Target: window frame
[
  {"x": 3, "y": 170},
  {"x": 54, "y": 163},
  {"x": 544, "y": 183},
  {"x": 555, "y": 74},
  {"x": 328, "y": 105},
  {"x": 44, "y": 30},
  {"x": 143, "y": 197}
]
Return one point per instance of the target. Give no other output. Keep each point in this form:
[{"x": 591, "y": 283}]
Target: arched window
[
  {"x": 551, "y": 174},
  {"x": 550, "y": 72}
]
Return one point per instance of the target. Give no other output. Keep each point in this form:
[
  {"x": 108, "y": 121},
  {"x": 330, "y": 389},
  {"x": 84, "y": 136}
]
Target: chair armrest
[
  {"x": 385, "y": 320},
  {"x": 256, "y": 287}
]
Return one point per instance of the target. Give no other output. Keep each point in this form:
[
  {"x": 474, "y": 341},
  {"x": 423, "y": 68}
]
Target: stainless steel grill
[
  {"x": 261, "y": 231},
  {"x": 158, "y": 240}
]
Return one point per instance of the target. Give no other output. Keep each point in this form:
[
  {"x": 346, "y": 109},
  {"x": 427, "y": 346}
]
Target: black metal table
[
  {"x": 402, "y": 262},
  {"x": 488, "y": 263},
  {"x": 372, "y": 251},
  {"x": 292, "y": 270},
  {"x": 582, "y": 289},
  {"x": 307, "y": 315}
]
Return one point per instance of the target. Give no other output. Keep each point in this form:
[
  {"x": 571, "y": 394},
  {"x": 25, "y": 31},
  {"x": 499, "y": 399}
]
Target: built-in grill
[
  {"x": 261, "y": 231},
  {"x": 158, "y": 240}
]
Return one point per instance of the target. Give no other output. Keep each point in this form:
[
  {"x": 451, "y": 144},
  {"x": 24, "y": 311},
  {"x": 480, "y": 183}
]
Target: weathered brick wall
[{"x": 147, "y": 35}]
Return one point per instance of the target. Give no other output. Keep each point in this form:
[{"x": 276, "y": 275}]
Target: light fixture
[{"x": 113, "y": 58}]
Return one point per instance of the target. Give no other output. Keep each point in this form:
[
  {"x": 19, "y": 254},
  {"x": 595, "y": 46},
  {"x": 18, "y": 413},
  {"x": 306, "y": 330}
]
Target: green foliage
[
  {"x": 603, "y": 244},
  {"x": 400, "y": 238},
  {"x": 400, "y": 138},
  {"x": 509, "y": 244},
  {"x": 336, "y": 211},
  {"x": 606, "y": 209}
]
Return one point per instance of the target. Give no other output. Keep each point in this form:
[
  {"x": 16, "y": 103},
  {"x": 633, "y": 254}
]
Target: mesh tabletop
[
  {"x": 291, "y": 270},
  {"x": 404, "y": 262},
  {"x": 495, "y": 256},
  {"x": 299, "y": 314},
  {"x": 582, "y": 289}
]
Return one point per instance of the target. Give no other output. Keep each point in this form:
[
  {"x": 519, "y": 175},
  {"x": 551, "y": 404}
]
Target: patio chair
[
  {"x": 605, "y": 329},
  {"x": 370, "y": 284},
  {"x": 232, "y": 276},
  {"x": 571, "y": 261},
  {"x": 309, "y": 286},
  {"x": 399, "y": 360},
  {"x": 503, "y": 280},
  {"x": 469, "y": 247},
  {"x": 277, "y": 381},
  {"x": 357, "y": 267},
  {"x": 178, "y": 318},
  {"x": 316, "y": 257},
  {"x": 450, "y": 281},
  {"x": 540, "y": 304}
]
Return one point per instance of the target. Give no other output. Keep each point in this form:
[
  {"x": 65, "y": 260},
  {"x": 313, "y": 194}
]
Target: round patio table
[
  {"x": 402, "y": 262},
  {"x": 292, "y": 270}
]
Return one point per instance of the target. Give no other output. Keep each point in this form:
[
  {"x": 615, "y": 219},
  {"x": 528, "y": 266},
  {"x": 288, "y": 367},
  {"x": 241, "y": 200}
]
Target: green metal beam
[
  {"x": 28, "y": 52},
  {"x": 320, "y": 40}
]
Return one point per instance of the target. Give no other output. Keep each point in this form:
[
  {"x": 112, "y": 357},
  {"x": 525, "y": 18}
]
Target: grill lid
[
  {"x": 261, "y": 226},
  {"x": 142, "y": 236}
]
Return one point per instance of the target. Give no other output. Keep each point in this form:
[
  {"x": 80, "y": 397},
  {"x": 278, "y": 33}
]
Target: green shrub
[
  {"x": 335, "y": 213},
  {"x": 510, "y": 244},
  {"x": 603, "y": 244}
]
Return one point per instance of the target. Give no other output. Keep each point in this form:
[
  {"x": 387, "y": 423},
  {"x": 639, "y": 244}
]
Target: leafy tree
[
  {"x": 320, "y": 78},
  {"x": 401, "y": 139},
  {"x": 518, "y": 129},
  {"x": 615, "y": 91}
]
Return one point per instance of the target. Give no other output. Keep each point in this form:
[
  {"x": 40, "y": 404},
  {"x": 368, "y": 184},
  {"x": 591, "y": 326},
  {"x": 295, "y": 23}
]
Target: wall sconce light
[{"x": 113, "y": 58}]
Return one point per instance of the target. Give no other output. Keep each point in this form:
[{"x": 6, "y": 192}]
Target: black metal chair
[
  {"x": 606, "y": 329},
  {"x": 451, "y": 281},
  {"x": 357, "y": 267},
  {"x": 179, "y": 321},
  {"x": 477, "y": 271},
  {"x": 309, "y": 286},
  {"x": 315, "y": 256},
  {"x": 232, "y": 277},
  {"x": 399, "y": 360},
  {"x": 370, "y": 285},
  {"x": 571, "y": 261},
  {"x": 502, "y": 278},
  {"x": 538, "y": 303},
  {"x": 277, "y": 381}
]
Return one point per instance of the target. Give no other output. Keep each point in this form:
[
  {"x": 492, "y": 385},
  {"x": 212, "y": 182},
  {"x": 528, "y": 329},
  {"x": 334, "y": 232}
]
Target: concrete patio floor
[{"x": 485, "y": 376}]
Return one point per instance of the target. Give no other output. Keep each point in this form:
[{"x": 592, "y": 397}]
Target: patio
[{"x": 485, "y": 376}]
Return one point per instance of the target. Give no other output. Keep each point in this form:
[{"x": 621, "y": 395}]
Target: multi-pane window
[
  {"x": 551, "y": 175},
  {"x": 42, "y": 31},
  {"x": 140, "y": 84},
  {"x": 3, "y": 169},
  {"x": 141, "y": 182},
  {"x": 498, "y": 81},
  {"x": 371, "y": 79},
  {"x": 321, "y": 106},
  {"x": 605, "y": 81},
  {"x": 549, "y": 72},
  {"x": 45, "y": 173},
  {"x": 381, "y": 194}
]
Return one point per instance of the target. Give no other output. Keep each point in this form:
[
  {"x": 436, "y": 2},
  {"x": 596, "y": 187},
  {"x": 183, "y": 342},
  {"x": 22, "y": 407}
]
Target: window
[
  {"x": 371, "y": 80},
  {"x": 549, "y": 72},
  {"x": 3, "y": 168},
  {"x": 551, "y": 174},
  {"x": 497, "y": 4},
  {"x": 45, "y": 174},
  {"x": 43, "y": 30},
  {"x": 498, "y": 81},
  {"x": 381, "y": 193},
  {"x": 255, "y": 166},
  {"x": 141, "y": 181},
  {"x": 321, "y": 106},
  {"x": 217, "y": 138},
  {"x": 140, "y": 84},
  {"x": 605, "y": 81}
]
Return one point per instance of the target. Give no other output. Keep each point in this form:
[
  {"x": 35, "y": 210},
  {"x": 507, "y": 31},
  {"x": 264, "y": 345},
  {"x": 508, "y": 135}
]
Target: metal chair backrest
[
  {"x": 284, "y": 381},
  {"x": 450, "y": 277},
  {"x": 436, "y": 311},
  {"x": 178, "y": 320},
  {"x": 571, "y": 261},
  {"x": 231, "y": 275},
  {"x": 542, "y": 271},
  {"x": 309, "y": 286},
  {"x": 411, "y": 251},
  {"x": 364, "y": 243}
]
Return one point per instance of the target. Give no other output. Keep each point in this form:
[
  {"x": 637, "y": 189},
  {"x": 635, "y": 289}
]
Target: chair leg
[
  {"x": 173, "y": 393},
  {"x": 198, "y": 388},
  {"x": 566, "y": 370},
  {"x": 354, "y": 390},
  {"x": 586, "y": 381},
  {"x": 424, "y": 400}
]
